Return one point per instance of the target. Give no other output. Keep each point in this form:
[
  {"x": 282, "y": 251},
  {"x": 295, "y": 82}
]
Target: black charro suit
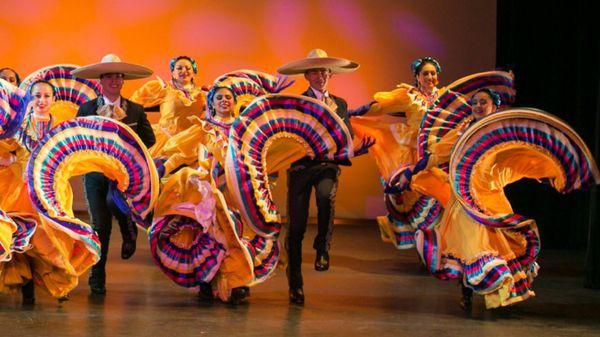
[
  {"x": 303, "y": 175},
  {"x": 135, "y": 118},
  {"x": 96, "y": 186},
  {"x": 342, "y": 107}
]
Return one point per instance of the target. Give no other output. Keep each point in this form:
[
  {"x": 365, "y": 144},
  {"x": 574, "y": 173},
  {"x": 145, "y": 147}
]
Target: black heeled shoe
[
  {"x": 466, "y": 302},
  {"x": 238, "y": 295},
  {"x": 296, "y": 296},
  {"x": 205, "y": 294},
  {"x": 28, "y": 293}
]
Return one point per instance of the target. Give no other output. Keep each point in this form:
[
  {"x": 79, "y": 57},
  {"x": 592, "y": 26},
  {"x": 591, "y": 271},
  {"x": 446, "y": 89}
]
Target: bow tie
[
  {"x": 330, "y": 102},
  {"x": 111, "y": 111}
]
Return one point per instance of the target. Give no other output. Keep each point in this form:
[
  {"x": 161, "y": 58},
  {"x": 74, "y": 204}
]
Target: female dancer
[
  {"x": 393, "y": 121},
  {"x": 426, "y": 71},
  {"x": 10, "y": 76},
  {"x": 193, "y": 238},
  {"x": 48, "y": 255},
  {"x": 178, "y": 100},
  {"x": 479, "y": 239},
  {"x": 22, "y": 269}
]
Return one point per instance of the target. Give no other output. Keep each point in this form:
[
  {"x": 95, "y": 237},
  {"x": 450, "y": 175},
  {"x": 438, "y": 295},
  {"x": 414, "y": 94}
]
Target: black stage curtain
[{"x": 553, "y": 48}]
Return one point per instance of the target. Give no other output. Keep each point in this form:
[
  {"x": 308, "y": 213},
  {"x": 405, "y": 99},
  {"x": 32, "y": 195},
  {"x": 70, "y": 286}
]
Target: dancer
[
  {"x": 426, "y": 71},
  {"x": 483, "y": 103},
  {"x": 44, "y": 255},
  {"x": 178, "y": 100},
  {"x": 10, "y": 76},
  {"x": 393, "y": 121},
  {"x": 308, "y": 173},
  {"x": 112, "y": 72},
  {"x": 19, "y": 271},
  {"x": 479, "y": 239},
  {"x": 197, "y": 239}
]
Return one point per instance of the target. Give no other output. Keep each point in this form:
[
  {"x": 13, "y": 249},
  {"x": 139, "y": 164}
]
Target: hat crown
[
  {"x": 317, "y": 53},
  {"x": 110, "y": 58}
]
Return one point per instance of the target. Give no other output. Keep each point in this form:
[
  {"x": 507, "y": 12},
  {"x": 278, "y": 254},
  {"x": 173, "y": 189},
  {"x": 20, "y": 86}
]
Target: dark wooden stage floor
[{"x": 371, "y": 290}]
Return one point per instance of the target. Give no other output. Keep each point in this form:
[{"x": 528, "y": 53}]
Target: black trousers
[
  {"x": 302, "y": 178},
  {"x": 102, "y": 209}
]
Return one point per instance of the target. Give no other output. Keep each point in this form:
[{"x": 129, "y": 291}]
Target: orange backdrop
[{"x": 383, "y": 36}]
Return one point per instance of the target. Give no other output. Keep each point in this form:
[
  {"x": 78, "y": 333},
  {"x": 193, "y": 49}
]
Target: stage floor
[{"x": 372, "y": 289}]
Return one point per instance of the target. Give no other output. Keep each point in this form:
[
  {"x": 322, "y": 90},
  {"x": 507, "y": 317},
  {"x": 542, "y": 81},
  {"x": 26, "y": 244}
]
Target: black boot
[
  {"x": 322, "y": 261},
  {"x": 129, "y": 234},
  {"x": 127, "y": 249},
  {"x": 295, "y": 283},
  {"x": 97, "y": 281},
  {"x": 205, "y": 294},
  {"x": 28, "y": 292},
  {"x": 466, "y": 302}
]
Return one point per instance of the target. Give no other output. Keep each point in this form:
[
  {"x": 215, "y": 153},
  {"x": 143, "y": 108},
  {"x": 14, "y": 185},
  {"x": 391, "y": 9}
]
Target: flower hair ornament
[
  {"x": 41, "y": 80},
  {"x": 177, "y": 58},
  {"x": 416, "y": 65},
  {"x": 494, "y": 96}
]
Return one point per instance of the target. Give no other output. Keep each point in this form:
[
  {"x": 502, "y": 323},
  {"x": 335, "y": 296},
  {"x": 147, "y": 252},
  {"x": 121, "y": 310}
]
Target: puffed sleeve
[{"x": 151, "y": 94}]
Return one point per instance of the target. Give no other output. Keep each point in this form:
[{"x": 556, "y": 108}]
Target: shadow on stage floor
[{"x": 372, "y": 289}]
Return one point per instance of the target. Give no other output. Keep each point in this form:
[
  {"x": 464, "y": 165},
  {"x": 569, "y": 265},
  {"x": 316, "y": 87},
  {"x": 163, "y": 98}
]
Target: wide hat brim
[
  {"x": 335, "y": 64},
  {"x": 130, "y": 71}
]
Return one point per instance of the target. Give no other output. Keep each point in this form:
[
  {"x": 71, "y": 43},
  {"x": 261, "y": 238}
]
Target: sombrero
[
  {"x": 317, "y": 58},
  {"x": 109, "y": 64}
]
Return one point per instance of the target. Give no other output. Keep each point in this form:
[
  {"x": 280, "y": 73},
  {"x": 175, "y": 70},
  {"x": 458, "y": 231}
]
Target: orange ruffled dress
[
  {"x": 49, "y": 259},
  {"x": 195, "y": 237},
  {"x": 479, "y": 238},
  {"x": 394, "y": 121},
  {"x": 44, "y": 252},
  {"x": 176, "y": 108}
]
